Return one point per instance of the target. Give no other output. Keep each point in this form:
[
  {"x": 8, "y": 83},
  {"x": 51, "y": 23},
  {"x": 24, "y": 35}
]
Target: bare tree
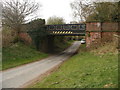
[
  {"x": 82, "y": 9},
  {"x": 14, "y": 12}
]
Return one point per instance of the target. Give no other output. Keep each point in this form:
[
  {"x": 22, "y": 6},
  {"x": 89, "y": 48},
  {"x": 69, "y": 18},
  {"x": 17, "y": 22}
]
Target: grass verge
[
  {"x": 84, "y": 70},
  {"x": 19, "y": 54}
]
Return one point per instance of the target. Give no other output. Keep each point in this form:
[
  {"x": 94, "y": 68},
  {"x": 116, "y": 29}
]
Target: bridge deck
[
  {"x": 77, "y": 34},
  {"x": 67, "y": 29}
]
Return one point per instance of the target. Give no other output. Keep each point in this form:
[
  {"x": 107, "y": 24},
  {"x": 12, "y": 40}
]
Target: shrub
[{"x": 8, "y": 37}]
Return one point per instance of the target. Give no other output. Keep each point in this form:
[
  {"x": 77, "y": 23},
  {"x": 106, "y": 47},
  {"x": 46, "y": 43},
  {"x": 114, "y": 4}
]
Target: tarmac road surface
[{"x": 19, "y": 76}]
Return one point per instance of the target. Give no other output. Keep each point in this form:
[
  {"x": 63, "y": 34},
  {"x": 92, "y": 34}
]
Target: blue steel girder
[{"x": 66, "y": 29}]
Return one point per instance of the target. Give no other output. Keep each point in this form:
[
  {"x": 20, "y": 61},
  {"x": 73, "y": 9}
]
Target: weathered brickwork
[
  {"x": 107, "y": 36},
  {"x": 25, "y": 37},
  {"x": 97, "y": 32},
  {"x": 109, "y": 26},
  {"x": 94, "y": 26},
  {"x": 92, "y": 37}
]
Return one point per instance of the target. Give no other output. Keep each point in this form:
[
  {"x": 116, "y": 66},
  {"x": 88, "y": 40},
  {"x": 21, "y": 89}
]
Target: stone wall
[{"x": 97, "y": 33}]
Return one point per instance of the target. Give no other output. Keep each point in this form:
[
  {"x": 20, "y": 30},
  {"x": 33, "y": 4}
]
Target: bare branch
[
  {"x": 15, "y": 12},
  {"x": 82, "y": 9}
]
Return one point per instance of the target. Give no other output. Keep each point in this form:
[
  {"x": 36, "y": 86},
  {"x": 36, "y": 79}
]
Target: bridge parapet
[{"x": 66, "y": 29}]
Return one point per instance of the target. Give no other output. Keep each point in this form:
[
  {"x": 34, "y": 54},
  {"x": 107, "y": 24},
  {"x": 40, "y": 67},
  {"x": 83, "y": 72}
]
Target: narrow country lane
[{"x": 19, "y": 76}]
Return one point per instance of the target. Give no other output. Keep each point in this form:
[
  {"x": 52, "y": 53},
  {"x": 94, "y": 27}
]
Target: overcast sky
[{"x": 60, "y": 8}]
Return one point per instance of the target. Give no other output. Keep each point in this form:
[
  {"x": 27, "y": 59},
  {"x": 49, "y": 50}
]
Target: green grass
[
  {"x": 19, "y": 54},
  {"x": 84, "y": 70}
]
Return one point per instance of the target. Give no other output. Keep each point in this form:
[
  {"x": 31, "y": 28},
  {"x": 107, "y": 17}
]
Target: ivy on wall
[{"x": 37, "y": 31}]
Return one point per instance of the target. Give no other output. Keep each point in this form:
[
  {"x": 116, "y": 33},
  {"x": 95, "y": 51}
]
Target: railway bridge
[
  {"x": 66, "y": 30},
  {"x": 52, "y": 31}
]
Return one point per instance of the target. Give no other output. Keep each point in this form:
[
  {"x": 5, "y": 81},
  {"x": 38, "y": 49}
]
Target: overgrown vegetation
[
  {"x": 19, "y": 54},
  {"x": 8, "y": 37},
  {"x": 88, "y": 69},
  {"x": 96, "y": 11},
  {"x": 105, "y": 11},
  {"x": 37, "y": 32}
]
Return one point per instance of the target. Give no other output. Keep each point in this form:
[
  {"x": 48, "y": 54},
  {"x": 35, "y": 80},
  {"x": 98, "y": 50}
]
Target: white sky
[{"x": 59, "y": 8}]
